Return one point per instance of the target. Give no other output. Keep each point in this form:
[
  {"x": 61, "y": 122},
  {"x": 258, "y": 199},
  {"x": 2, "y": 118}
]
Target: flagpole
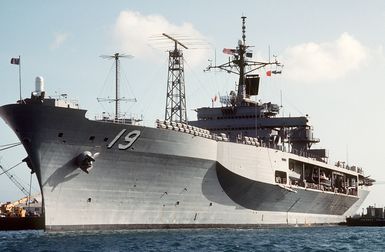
[{"x": 20, "y": 78}]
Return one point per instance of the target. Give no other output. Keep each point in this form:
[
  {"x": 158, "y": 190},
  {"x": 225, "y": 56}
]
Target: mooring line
[
  {"x": 5, "y": 171},
  {"x": 9, "y": 146}
]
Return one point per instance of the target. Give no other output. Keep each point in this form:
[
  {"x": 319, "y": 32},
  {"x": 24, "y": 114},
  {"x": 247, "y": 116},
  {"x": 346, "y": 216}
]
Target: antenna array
[
  {"x": 117, "y": 99},
  {"x": 176, "y": 97}
]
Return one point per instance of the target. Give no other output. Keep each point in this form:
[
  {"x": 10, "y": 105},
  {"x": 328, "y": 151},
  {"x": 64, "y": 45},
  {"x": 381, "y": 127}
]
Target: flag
[
  {"x": 268, "y": 73},
  {"x": 15, "y": 61},
  {"x": 229, "y": 51},
  {"x": 214, "y": 99}
]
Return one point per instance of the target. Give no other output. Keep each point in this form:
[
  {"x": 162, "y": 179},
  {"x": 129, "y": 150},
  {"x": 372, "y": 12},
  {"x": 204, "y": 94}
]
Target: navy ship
[{"x": 237, "y": 165}]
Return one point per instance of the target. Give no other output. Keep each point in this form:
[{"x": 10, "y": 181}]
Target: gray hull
[{"x": 164, "y": 179}]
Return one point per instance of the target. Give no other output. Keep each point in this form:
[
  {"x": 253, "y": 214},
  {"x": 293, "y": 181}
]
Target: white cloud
[
  {"x": 325, "y": 61},
  {"x": 135, "y": 35}
]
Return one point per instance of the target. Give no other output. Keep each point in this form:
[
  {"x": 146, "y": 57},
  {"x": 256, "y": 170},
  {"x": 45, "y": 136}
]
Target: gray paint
[
  {"x": 165, "y": 179},
  {"x": 267, "y": 197}
]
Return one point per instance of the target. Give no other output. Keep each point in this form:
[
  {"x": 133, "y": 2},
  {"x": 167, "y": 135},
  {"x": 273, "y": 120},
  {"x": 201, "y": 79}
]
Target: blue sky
[{"x": 332, "y": 52}]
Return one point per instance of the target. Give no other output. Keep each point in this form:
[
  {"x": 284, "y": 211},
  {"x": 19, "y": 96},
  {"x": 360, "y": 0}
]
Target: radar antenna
[
  {"x": 238, "y": 63},
  {"x": 176, "y": 97},
  {"x": 116, "y": 57}
]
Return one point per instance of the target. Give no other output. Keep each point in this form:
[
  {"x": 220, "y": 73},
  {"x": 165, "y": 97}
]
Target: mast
[
  {"x": 241, "y": 65},
  {"x": 116, "y": 57},
  {"x": 117, "y": 88},
  {"x": 176, "y": 97},
  {"x": 238, "y": 62}
]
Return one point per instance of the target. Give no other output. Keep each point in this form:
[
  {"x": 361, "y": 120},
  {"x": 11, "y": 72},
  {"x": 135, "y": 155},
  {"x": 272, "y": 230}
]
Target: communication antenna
[
  {"x": 176, "y": 97},
  {"x": 117, "y": 99},
  {"x": 241, "y": 64}
]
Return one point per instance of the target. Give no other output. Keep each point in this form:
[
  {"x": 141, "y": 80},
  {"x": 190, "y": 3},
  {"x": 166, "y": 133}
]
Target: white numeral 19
[{"x": 130, "y": 138}]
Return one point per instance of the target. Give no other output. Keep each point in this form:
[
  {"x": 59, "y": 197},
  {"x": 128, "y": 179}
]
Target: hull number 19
[{"x": 130, "y": 139}]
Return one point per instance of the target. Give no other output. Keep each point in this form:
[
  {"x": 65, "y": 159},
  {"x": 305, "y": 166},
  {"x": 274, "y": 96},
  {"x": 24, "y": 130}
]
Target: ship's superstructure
[{"x": 238, "y": 165}]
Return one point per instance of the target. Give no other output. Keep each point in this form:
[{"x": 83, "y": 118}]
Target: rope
[
  {"x": 9, "y": 146},
  {"x": 5, "y": 171}
]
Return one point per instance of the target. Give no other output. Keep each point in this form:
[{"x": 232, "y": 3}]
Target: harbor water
[{"x": 338, "y": 238}]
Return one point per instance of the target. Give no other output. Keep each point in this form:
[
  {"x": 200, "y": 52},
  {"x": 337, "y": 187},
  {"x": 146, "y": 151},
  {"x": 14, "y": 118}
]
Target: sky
[{"x": 332, "y": 52}]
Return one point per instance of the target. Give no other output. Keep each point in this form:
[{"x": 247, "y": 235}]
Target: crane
[{"x": 14, "y": 180}]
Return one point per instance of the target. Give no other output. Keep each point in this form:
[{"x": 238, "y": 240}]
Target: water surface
[{"x": 264, "y": 239}]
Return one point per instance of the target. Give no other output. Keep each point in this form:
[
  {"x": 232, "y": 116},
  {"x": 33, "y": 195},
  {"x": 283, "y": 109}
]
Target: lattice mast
[
  {"x": 116, "y": 57},
  {"x": 176, "y": 97}
]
